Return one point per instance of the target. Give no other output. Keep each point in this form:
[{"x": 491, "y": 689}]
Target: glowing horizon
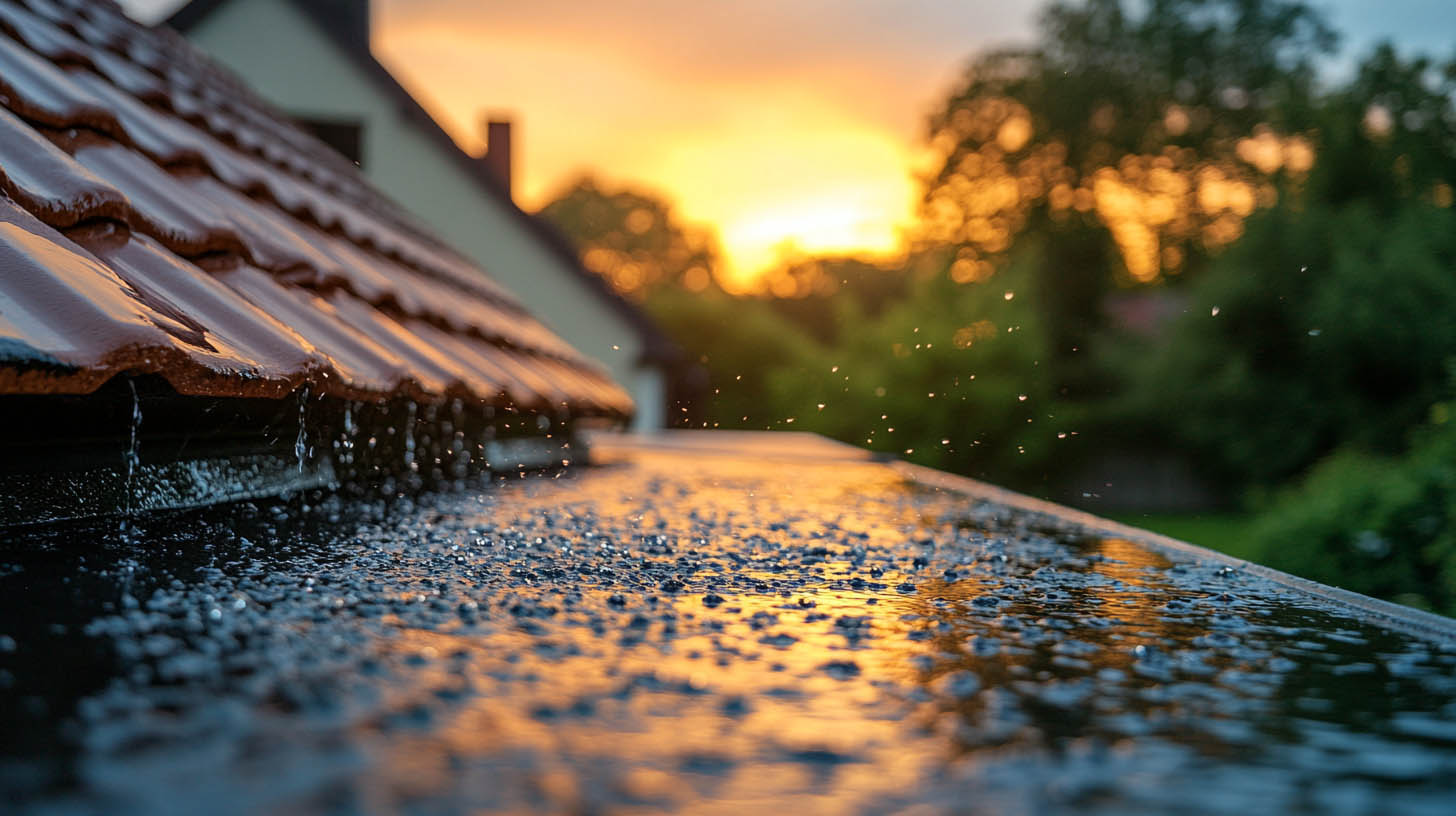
[{"x": 803, "y": 142}]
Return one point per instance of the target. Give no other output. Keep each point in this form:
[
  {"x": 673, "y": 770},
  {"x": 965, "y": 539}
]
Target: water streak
[
  {"x": 409, "y": 437},
  {"x": 300, "y": 444},
  {"x": 132, "y": 457}
]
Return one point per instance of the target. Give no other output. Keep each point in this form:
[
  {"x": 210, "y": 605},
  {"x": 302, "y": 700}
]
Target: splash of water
[{"x": 345, "y": 444}]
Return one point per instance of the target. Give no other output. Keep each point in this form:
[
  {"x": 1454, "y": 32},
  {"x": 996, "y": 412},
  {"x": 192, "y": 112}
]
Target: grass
[{"x": 1225, "y": 532}]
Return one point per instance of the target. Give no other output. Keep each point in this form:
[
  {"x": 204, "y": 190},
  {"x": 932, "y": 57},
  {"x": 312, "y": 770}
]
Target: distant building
[{"x": 312, "y": 59}]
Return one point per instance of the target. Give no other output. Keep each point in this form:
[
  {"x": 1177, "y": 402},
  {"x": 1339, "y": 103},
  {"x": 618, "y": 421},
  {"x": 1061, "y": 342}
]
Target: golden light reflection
[{"x": 967, "y": 336}]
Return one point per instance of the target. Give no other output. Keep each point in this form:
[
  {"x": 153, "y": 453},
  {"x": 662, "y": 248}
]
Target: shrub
[{"x": 1381, "y": 526}]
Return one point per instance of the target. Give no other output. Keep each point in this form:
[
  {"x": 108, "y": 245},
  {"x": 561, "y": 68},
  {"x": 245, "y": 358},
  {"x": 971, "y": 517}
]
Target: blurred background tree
[
  {"x": 631, "y": 239},
  {"x": 1332, "y": 322},
  {"x": 1134, "y": 144}
]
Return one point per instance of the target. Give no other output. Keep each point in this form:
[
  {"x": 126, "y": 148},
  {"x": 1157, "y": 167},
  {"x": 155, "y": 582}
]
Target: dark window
[{"x": 342, "y": 135}]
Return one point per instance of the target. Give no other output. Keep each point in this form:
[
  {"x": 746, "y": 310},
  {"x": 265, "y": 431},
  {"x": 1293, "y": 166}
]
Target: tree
[
  {"x": 945, "y": 376},
  {"x": 1135, "y": 144},
  {"x": 1331, "y": 322},
  {"x": 632, "y": 239},
  {"x": 1389, "y": 137}
]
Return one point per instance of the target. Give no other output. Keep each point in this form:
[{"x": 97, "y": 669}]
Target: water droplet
[
  {"x": 409, "y": 436},
  {"x": 133, "y": 457},
  {"x": 300, "y": 445},
  {"x": 1009, "y": 295},
  {"x": 1214, "y": 311}
]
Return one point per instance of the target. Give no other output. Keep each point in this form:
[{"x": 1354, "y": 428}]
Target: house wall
[{"x": 293, "y": 65}]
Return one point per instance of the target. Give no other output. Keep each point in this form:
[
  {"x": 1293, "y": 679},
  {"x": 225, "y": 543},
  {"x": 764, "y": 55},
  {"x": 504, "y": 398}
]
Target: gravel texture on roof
[
  {"x": 696, "y": 631},
  {"x": 158, "y": 218}
]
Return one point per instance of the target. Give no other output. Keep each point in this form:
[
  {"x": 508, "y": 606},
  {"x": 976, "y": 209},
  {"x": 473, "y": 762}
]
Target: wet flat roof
[{"x": 698, "y": 624}]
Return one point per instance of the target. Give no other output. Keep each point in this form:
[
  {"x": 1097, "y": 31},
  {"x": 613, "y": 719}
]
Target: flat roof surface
[{"x": 697, "y": 625}]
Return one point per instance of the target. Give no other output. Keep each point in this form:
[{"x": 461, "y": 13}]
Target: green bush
[
  {"x": 1380, "y": 526},
  {"x": 743, "y": 343},
  {"x": 953, "y": 376},
  {"x": 1322, "y": 328},
  {"x": 950, "y": 375}
]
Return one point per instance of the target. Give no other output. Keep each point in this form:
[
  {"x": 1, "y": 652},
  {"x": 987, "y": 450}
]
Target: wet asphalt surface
[{"x": 689, "y": 634}]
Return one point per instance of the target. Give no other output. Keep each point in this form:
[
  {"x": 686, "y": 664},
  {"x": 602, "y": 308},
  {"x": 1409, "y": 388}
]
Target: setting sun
[
  {"x": 807, "y": 188},
  {"x": 791, "y": 132}
]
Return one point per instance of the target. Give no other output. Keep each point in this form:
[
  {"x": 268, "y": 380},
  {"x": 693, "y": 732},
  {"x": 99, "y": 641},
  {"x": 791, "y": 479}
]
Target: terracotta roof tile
[
  {"x": 159, "y": 218},
  {"x": 43, "y": 179}
]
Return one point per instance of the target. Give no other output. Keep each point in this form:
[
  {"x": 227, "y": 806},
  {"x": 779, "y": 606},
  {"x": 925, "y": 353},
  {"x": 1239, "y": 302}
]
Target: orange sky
[{"x": 772, "y": 122}]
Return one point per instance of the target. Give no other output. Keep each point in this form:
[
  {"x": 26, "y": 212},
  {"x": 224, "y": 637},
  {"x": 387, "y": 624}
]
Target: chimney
[
  {"x": 349, "y": 17},
  {"x": 497, "y": 156}
]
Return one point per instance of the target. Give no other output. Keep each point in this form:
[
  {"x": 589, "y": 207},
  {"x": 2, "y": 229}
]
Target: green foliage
[
  {"x": 744, "y": 344},
  {"x": 954, "y": 370},
  {"x": 1383, "y": 527},
  {"x": 1389, "y": 136},
  {"x": 1332, "y": 328},
  {"x": 946, "y": 376},
  {"x": 1096, "y": 143}
]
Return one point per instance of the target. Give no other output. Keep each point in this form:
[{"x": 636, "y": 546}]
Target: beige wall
[{"x": 278, "y": 51}]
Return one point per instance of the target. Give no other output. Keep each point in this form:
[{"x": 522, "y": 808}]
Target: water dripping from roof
[
  {"x": 300, "y": 443},
  {"x": 132, "y": 458},
  {"x": 409, "y": 436}
]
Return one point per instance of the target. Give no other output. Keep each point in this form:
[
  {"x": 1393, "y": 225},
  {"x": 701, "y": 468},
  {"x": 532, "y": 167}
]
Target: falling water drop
[
  {"x": 132, "y": 458},
  {"x": 409, "y": 436},
  {"x": 300, "y": 443}
]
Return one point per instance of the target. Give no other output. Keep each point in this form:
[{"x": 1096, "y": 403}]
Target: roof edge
[
  {"x": 805, "y": 446},
  {"x": 1406, "y": 619}
]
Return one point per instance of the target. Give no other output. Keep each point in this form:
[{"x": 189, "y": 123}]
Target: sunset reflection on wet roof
[{"x": 694, "y": 628}]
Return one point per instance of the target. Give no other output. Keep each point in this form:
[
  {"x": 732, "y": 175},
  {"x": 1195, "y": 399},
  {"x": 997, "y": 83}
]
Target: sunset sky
[{"x": 774, "y": 122}]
